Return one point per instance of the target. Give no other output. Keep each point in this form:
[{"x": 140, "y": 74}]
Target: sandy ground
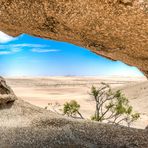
[{"x": 41, "y": 91}]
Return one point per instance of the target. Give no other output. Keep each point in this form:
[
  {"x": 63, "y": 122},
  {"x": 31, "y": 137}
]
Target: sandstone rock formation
[
  {"x": 6, "y": 94},
  {"x": 116, "y": 29}
]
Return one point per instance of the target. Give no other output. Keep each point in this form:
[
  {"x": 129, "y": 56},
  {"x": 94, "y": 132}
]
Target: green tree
[
  {"x": 112, "y": 107},
  {"x": 72, "y": 109}
]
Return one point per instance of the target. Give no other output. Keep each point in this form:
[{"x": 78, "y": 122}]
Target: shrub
[{"x": 72, "y": 109}]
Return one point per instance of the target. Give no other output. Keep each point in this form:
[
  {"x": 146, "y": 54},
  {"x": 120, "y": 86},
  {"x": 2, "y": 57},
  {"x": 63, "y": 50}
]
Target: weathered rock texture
[
  {"x": 116, "y": 29},
  {"x": 23, "y": 125},
  {"x": 6, "y": 94}
]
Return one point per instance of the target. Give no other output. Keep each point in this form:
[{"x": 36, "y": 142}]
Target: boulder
[{"x": 6, "y": 93}]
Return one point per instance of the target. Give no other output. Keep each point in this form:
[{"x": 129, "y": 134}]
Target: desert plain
[{"x": 40, "y": 91}]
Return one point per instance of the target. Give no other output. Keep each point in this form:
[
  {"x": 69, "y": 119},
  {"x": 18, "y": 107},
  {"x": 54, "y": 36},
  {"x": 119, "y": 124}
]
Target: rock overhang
[{"x": 116, "y": 29}]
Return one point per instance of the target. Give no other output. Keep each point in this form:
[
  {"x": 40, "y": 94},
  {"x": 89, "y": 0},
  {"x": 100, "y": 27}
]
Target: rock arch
[{"x": 116, "y": 29}]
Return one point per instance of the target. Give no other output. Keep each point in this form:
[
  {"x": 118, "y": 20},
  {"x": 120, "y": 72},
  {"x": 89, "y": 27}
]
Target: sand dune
[{"x": 44, "y": 90}]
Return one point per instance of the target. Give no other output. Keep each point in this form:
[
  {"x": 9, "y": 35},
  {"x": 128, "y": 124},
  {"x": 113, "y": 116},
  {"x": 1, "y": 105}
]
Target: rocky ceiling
[{"x": 116, "y": 29}]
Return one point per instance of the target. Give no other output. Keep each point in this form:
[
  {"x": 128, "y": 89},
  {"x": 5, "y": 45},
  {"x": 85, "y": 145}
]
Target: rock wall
[{"x": 116, "y": 29}]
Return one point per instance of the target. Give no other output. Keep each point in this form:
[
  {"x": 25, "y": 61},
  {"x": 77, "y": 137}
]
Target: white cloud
[
  {"x": 30, "y": 45},
  {"x": 23, "y": 45},
  {"x": 44, "y": 50},
  {"x": 5, "y": 52},
  {"x": 14, "y": 48},
  {"x": 11, "y": 51},
  {"x": 4, "y": 38}
]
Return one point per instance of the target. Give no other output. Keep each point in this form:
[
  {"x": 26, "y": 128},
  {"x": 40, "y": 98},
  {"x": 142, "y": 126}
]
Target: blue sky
[{"x": 32, "y": 56}]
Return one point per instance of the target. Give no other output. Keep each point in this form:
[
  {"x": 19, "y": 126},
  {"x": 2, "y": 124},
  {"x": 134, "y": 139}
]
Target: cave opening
[
  {"x": 44, "y": 71},
  {"x": 116, "y": 30}
]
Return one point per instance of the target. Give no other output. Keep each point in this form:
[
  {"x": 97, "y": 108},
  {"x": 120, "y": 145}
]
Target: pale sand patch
[{"x": 44, "y": 90}]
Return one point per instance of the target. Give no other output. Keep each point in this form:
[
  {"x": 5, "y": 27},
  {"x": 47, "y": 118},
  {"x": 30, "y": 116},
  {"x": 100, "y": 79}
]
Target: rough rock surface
[
  {"x": 23, "y": 125},
  {"x": 116, "y": 29},
  {"x": 6, "y": 94}
]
